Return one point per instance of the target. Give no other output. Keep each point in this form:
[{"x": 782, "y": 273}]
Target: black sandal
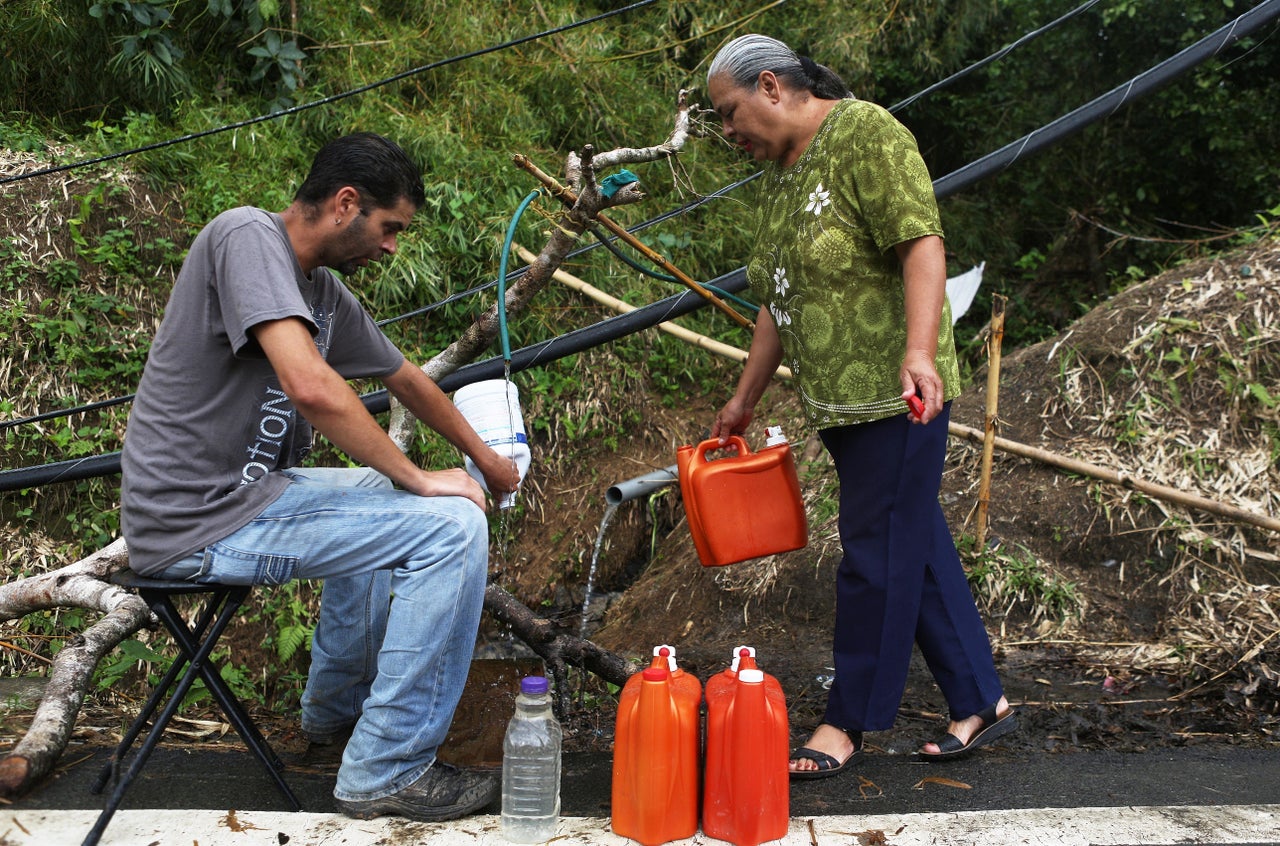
[
  {"x": 993, "y": 726},
  {"x": 827, "y": 765}
]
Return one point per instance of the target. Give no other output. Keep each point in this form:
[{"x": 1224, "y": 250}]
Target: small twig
[{"x": 7, "y": 645}]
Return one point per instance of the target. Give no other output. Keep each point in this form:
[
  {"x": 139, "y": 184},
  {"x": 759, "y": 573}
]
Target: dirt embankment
[{"x": 1118, "y": 620}]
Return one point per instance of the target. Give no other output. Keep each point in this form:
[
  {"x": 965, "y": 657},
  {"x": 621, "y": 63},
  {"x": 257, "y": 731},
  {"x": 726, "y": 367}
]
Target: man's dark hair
[{"x": 373, "y": 165}]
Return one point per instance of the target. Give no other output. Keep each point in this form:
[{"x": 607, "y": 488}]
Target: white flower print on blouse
[
  {"x": 780, "y": 283},
  {"x": 818, "y": 200},
  {"x": 780, "y": 286}
]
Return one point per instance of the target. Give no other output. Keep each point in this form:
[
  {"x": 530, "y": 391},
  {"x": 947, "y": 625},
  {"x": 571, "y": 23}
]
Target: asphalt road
[
  {"x": 180, "y": 778},
  {"x": 1208, "y": 795}
]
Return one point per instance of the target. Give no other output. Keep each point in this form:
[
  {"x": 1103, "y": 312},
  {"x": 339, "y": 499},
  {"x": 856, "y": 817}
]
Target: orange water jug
[
  {"x": 743, "y": 658},
  {"x": 746, "y": 799},
  {"x": 655, "y": 754},
  {"x": 744, "y": 506}
]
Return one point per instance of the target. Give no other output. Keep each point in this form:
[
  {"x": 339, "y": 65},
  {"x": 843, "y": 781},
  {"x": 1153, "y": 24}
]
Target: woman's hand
[
  {"x": 920, "y": 378},
  {"x": 924, "y": 279},
  {"x": 733, "y": 419}
]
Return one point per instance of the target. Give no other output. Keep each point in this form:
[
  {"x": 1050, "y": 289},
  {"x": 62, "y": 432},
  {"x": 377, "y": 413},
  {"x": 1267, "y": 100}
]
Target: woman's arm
[{"x": 924, "y": 278}]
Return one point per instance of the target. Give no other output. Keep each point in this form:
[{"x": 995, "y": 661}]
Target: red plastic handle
[{"x": 917, "y": 405}]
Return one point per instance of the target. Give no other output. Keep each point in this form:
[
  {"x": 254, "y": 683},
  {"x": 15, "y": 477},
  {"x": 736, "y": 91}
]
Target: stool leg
[
  {"x": 112, "y": 768},
  {"x": 144, "y": 751},
  {"x": 231, "y": 706}
]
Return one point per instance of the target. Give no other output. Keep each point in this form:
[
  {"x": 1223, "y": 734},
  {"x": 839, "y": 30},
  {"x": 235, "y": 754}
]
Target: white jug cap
[
  {"x": 751, "y": 676},
  {"x": 773, "y": 436},
  {"x": 671, "y": 655},
  {"x": 737, "y": 655}
]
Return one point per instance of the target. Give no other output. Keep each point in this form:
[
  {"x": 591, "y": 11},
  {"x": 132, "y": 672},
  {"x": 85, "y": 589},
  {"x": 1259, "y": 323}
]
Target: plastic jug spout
[
  {"x": 664, "y": 656},
  {"x": 744, "y": 658}
]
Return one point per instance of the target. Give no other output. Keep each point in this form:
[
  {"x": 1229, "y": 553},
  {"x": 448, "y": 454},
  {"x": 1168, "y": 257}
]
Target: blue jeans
[{"x": 404, "y": 579}]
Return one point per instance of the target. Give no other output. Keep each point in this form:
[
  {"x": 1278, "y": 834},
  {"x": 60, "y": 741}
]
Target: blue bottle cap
[{"x": 534, "y": 684}]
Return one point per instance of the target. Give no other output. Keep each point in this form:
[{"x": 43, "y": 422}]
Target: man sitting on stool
[{"x": 257, "y": 343}]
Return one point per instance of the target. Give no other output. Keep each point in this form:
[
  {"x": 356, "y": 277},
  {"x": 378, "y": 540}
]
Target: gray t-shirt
[{"x": 210, "y": 428}]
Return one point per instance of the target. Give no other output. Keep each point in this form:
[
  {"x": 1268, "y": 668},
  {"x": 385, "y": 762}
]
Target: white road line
[{"x": 1134, "y": 826}]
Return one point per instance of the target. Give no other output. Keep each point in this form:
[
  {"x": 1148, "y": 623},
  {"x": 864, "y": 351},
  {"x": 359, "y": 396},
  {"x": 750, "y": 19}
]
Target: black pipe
[
  {"x": 1147, "y": 82},
  {"x": 534, "y": 355}
]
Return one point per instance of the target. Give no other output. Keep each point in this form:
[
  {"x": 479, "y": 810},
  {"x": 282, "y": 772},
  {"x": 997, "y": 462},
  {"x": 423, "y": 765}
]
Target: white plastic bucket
[{"x": 492, "y": 407}]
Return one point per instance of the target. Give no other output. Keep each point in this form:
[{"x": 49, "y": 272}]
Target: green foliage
[
  {"x": 1165, "y": 172},
  {"x": 146, "y": 51},
  {"x": 64, "y": 56},
  {"x": 128, "y": 656},
  {"x": 1006, "y": 580}
]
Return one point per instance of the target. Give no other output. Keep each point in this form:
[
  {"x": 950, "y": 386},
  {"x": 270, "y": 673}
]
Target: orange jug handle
[{"x": 712, "y": 444}]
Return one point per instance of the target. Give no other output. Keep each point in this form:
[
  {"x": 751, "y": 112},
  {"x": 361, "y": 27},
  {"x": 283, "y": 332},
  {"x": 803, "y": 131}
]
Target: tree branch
[
  {"x": 80, "y": 585},
  {"x": 583, "y": 209},
  {"x": 556, "y": 646}
]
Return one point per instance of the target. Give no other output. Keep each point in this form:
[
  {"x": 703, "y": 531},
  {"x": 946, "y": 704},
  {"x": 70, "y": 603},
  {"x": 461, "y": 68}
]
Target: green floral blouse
[{"x": 825, "y": 267}]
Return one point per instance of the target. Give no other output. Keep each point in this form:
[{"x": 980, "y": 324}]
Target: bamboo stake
[
  {"x": 1121, "y": 478},
  {"x": 989, "y": 423},
  {"x": 568, "y": 197},
  {"x": 673, "y": 329}
]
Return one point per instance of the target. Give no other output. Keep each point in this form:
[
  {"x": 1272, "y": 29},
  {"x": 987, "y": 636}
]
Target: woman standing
[{"x": 848, "y": 260}]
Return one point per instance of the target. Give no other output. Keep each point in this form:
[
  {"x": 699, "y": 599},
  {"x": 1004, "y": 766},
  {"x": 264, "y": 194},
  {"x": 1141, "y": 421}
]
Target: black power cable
[
  {"x": 1147, "y": 82},
  {"x": 996, "y": 56},
  {"x": 534, "y": 355},
  {"x": 484, "y": 286},
  {"x": 608, "y": 243},
  {"x": 333, "y": 98}
]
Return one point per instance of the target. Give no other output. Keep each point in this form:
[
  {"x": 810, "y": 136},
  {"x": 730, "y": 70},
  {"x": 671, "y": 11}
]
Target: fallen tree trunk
[{"x": 79, "y": 585}]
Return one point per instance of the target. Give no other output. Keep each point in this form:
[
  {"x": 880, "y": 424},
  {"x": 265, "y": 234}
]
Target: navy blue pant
[{"x": 900, "y": 580}]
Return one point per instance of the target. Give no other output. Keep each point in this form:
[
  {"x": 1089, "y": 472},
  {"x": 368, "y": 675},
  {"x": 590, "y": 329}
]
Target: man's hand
[
  {"x": 454, "y": 482},
  {"x": 501, "y": 475}
]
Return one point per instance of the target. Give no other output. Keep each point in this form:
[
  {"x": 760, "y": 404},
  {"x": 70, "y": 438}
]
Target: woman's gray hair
[{"x": 744, "y": 58}]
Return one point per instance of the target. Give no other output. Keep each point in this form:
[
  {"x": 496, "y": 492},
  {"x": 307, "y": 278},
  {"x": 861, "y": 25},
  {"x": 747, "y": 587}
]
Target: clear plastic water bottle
[{"x": 531, "y": 767}]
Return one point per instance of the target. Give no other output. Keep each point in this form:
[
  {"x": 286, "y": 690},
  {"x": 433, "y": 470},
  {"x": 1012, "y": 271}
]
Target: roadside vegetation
[{"x": 87, "y": 256}]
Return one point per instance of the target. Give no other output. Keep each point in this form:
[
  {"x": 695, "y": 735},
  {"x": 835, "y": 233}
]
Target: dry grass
[{"x": 1175, "y": 381}]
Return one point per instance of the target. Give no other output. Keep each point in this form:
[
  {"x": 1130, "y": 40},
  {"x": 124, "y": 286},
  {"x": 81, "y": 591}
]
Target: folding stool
[{"x": 196, "y": 643}]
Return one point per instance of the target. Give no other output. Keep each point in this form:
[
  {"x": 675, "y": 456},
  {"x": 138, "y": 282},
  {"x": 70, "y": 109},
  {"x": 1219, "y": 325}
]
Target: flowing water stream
[{"x": 595, "y": 560}]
